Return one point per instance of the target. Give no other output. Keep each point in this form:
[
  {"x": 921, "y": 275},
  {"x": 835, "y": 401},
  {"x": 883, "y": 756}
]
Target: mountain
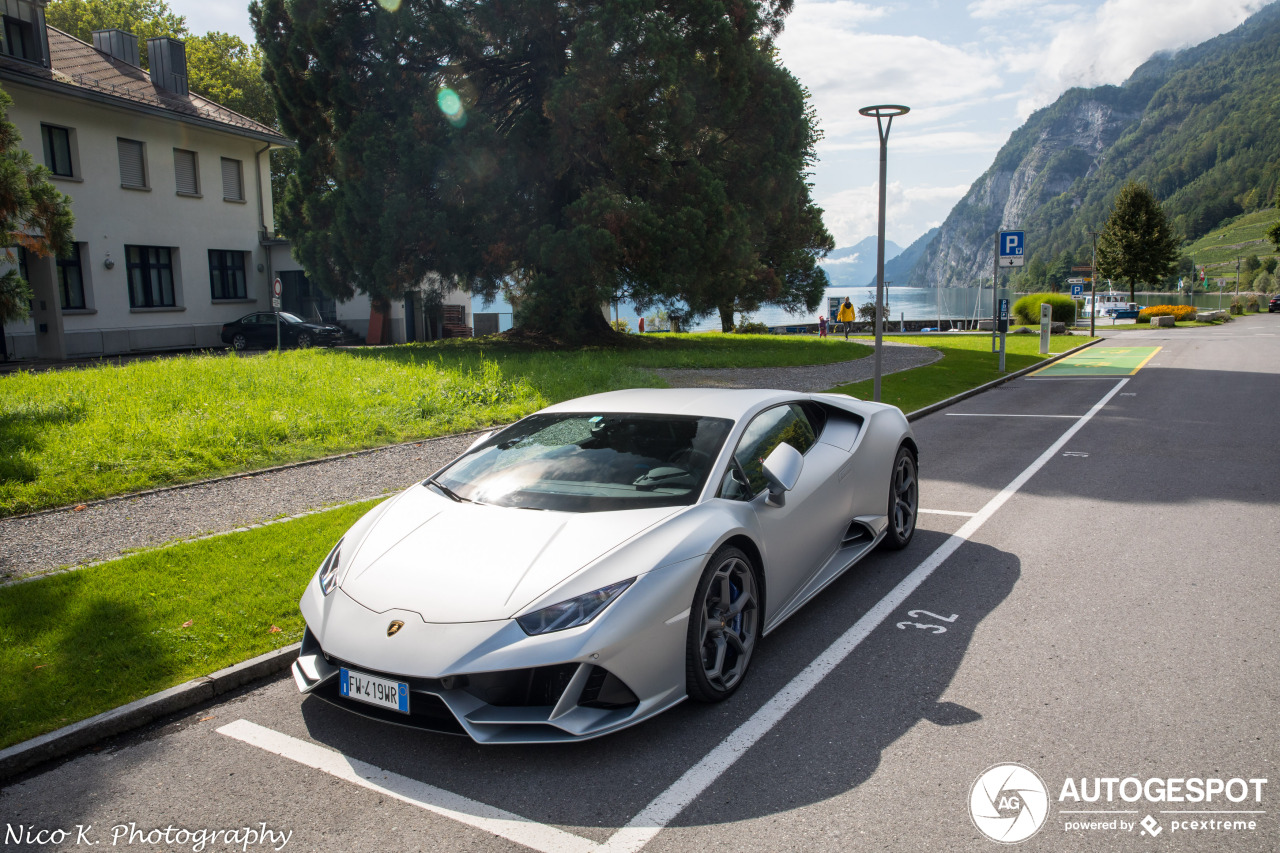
[
  {"x": 1198, "y": 127},
  {"x": 899, "y": 269},
  {"x": 852, "y": 265}
]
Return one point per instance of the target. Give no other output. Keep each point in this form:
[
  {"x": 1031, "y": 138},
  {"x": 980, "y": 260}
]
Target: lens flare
[{"x": 451, "y": 105}]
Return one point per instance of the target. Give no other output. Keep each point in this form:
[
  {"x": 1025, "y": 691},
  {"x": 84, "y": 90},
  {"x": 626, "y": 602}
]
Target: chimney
[
  {"x": 168, "y": 60},
  {"x": 118, "y": 45}
]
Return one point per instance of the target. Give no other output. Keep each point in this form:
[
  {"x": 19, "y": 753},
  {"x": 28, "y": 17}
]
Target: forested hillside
[{"x": 1201, "y": 128}]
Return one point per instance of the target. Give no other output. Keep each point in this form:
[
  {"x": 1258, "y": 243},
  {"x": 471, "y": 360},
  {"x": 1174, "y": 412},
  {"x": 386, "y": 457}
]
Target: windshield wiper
[{"x": 446, "y": 491}]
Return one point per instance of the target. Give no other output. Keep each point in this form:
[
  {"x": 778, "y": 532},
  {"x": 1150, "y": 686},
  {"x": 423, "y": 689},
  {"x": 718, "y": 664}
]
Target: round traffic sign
[{"x": 276, "y": 288}]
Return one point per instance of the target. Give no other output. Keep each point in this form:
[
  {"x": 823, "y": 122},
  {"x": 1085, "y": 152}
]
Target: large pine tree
[{"x": 568, "y": 151}]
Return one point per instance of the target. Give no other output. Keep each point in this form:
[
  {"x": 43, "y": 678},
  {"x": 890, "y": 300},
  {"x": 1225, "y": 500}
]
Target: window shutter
[
  {"x": 184, "y": 168},
  {"x": 232, "y": 186},
  {"x": 132, "y": 171}
]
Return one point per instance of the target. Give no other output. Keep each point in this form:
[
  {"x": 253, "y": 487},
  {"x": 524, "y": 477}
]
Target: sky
[{"x": 971, "y": 73}]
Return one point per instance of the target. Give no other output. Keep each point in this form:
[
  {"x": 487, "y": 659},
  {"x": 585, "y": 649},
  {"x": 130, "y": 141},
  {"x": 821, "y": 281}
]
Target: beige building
[{"x": 171, "y": 194}]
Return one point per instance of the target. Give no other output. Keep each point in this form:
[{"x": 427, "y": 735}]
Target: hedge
[{"x": 1027, "y": 309}]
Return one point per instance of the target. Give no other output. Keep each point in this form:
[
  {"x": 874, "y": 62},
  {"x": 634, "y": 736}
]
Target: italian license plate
[{"x": 374, "y": 690}]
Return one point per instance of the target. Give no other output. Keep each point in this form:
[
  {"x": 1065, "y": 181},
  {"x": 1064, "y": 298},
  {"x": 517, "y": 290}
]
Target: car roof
[{"x": 704, "y": 402}]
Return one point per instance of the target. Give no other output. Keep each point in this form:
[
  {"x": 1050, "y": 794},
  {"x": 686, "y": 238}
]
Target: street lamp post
[
  {"x": 880, "y": 112},
  {"x": 1093, "y": 285}
]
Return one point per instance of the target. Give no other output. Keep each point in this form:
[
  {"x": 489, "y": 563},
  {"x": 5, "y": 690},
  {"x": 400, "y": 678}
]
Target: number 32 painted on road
[{"x": 920, "y": 614}]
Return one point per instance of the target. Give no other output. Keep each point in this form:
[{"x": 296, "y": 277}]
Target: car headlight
[
  {"x": 329, "y": 569},
  {"x": 572, "y": 613}
]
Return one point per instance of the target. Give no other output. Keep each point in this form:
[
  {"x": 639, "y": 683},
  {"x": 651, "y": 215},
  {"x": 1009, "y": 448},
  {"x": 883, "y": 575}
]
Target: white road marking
[
  {"x": 664, "y": 808},
  {"x": 947, "y": 512},
  {"x": 504, "y": 824},
  {"x": 994, "y": 415}
]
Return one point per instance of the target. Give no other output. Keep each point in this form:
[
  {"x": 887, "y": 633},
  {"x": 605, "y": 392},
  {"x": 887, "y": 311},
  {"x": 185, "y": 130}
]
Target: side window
[{"x": 769, "y": 429}]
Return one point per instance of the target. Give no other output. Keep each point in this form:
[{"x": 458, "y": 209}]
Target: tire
[
  {"x": 722, "y": 639},
  {"x": 904, "y": 500},
  {"x": 304, "y": 340},
  {"x": 239, "y": 342}
]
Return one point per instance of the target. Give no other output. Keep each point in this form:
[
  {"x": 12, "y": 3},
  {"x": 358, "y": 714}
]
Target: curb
[
  {"x": 56, "y": 744},
  {"x": 951, "y": 401}
]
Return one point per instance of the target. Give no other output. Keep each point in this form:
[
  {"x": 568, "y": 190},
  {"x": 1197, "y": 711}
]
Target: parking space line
[
  {"x": 644, "y": 826},
  {"x": 504, "y": 824},
  {"x": 946, "y": 512},
  {"x": 995, "y": 415},
  {"x": 664, "y": 808}
]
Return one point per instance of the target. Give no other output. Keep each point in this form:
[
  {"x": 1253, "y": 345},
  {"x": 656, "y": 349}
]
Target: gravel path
[{"x": 103, "y": 530}]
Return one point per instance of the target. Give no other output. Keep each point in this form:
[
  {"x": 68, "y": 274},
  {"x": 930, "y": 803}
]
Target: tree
[
  {"x": 1137, "y": 243},
  {"x": 144, "y": 18},
  {"x": 33, "y": 215},
  {"x": 566, "y": 151}
]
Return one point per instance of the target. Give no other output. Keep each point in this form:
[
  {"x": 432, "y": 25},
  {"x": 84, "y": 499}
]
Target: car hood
[{"x": 464, "y": 562}]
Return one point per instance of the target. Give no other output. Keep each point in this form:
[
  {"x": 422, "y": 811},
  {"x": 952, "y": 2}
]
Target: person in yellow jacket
[{"x": 846, "y": 316}]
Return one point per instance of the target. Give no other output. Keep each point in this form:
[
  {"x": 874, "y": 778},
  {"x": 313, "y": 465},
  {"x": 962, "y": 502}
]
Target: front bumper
[{"x": 561, "y": 702}]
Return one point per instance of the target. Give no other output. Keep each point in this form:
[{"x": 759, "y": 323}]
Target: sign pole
[{"x": 995, "y": 288}]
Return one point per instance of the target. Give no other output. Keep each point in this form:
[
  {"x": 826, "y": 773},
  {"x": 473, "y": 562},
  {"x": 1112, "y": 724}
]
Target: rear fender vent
[{"x": 857, "y": 534}]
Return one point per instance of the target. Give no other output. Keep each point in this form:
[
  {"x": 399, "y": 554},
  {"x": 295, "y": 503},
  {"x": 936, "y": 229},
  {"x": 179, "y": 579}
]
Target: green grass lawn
[
  {"x": 967, "y": 363},
  {"x": 73, "y": 435},
  {"x": 76, "y": 644}
]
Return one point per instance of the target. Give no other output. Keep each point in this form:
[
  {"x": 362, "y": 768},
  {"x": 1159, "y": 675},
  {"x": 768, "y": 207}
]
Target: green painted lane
[{"x": 1101, "y": 361}]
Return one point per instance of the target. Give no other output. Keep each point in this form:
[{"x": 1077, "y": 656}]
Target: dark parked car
[
  {"x": 259, "y": 330},
  {"x": 1273, "y": 305}
]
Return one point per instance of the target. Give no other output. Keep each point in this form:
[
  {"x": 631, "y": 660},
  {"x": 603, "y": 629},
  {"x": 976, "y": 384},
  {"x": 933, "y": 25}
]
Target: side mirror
[
  {"x": 782, "y": 469},
  {"x": 479, "y": 440}
]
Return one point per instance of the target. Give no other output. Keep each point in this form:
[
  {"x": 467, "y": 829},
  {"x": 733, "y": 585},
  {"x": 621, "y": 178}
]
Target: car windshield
[
  {"x": 290, "y": 318},
  {"x": 588, "y": 462}
]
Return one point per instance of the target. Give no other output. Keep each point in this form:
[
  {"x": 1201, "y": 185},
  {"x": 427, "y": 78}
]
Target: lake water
[{"x": 911, "y": 303}]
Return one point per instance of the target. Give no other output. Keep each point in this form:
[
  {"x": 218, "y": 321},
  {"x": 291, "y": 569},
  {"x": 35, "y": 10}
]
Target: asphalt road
[{"x": 1103, "y": 566}]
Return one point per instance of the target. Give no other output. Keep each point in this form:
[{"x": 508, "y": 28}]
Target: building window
[
  {"x": 71, "y": 279},
  {"x": 150, "y": 276},
  {"x": 226, "y": 274},
  {"x": 232, "y": 180},
  {"x": 133, "y": 164},
  {"x": 20, "y": 39},
  {"x": 57, "y": 150},
  {"x": 185, "y": 172}
]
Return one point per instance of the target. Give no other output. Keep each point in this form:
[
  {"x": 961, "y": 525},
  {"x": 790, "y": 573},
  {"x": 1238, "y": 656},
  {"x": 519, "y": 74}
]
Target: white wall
[{"x": 109, "y": 217}]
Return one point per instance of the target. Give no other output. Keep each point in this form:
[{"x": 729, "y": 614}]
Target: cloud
[
  {"x": 846, "y": 68},
  {"x": 853, "y": 214},
  {"x": 1106, "y": 44},
  {"x": 907, "y": 141},
  {"x": 847, "y": 259},
  {"x": 1019, "y": 10}
]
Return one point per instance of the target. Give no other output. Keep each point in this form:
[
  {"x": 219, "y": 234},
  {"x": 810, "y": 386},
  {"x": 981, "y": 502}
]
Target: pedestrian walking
[
  {"x": 846, "y": 316},
  {"x": 822, "y": 327}
]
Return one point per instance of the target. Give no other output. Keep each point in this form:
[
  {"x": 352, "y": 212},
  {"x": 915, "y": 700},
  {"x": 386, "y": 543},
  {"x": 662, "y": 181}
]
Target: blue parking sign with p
[{"x": 1011, "y": 247}]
